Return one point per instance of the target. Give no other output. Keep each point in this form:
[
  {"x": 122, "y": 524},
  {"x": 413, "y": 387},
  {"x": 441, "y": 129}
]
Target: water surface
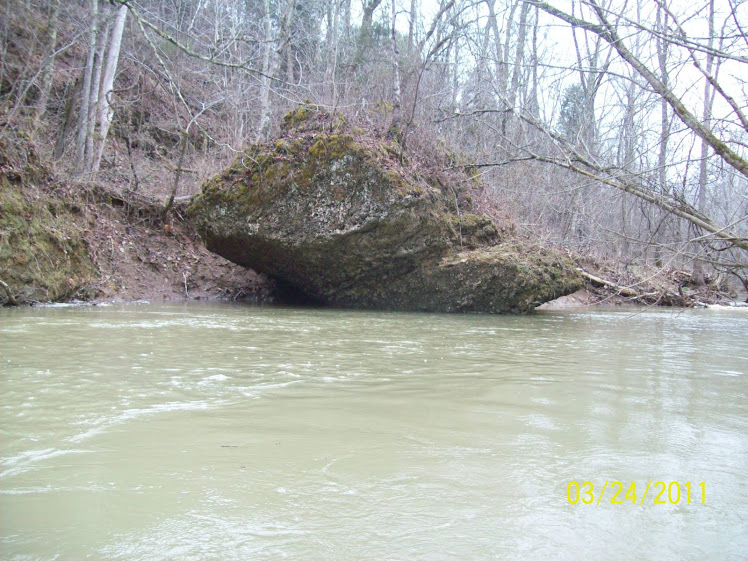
[{"x": 223, "y": 432}]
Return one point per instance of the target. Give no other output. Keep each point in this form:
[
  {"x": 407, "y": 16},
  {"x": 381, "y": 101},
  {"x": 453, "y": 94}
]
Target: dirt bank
[{"x": 63, "y": 241}]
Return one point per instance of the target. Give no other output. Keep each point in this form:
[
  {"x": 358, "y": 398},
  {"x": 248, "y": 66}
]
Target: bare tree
[
  {"x": 395, "y": 124},
  {"x": 49, "y": 62},
  {"x": 86, "y": 93},
  {"x": 706, "y": 117},
  {"x": 607, "y": 31},
  {"x": 602, "y": 103},
  {"x": 364, "y": 35},
  {"x": 104, "y": 108}
]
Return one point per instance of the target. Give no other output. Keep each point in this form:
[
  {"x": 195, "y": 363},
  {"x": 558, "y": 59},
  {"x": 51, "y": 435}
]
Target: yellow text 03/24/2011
[{"x": 655, "y": 492}]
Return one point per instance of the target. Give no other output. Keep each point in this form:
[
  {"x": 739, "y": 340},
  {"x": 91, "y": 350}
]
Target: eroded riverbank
[{"x": 62, "y": 242}]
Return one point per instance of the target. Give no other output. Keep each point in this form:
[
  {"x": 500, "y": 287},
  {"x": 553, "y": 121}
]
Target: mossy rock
[
  {"x": 332, "y": 216},
  {"x": 309, "y": 117},
  {"x": 474, "y": 230}
]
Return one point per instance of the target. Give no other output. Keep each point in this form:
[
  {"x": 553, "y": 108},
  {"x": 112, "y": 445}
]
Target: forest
[
  {"x": 340, "y": 280},
  {"x": 615, "y": 130}
]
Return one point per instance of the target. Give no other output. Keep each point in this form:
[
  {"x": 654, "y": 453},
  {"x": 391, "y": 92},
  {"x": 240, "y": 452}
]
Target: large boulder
[{"x": 336, "y": 217}]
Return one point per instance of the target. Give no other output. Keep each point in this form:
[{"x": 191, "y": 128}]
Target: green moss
[
  {"x": 474, "y": 230},
  {"x": 297, "y": 117},
  {"x": 318, "y": 150},
  {"x": 281, "y": 146},
  {"x": 43, "y": 256},
  {"x": 333, "y": 147},
  {"x": 396, "y": 133},
  {"x": 474, "y": 222},
  {"x": 391, "y": 150},
  {"x": 393, "y": 178},
  {"x": 339, "y": 123}
]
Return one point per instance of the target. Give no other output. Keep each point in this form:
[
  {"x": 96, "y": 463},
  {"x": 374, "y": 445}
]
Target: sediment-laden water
[{"x": 224, "y": 432}]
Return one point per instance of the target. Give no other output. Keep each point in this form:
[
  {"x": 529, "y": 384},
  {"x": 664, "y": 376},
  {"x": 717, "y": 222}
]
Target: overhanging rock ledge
[{"x": 333, "y": 215}]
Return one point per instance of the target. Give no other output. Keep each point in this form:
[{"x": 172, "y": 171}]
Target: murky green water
[{"x": 222, "y": 432}]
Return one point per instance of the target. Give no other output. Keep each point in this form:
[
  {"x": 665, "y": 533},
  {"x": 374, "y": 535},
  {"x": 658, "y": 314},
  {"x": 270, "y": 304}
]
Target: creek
[{"x": 229, "y": 432}]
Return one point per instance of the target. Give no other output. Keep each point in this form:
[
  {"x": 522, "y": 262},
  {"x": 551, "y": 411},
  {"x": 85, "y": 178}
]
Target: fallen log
[{"x": 624, "y": 290}]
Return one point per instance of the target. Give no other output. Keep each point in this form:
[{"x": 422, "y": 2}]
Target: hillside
[
  {"x": 187, "y": 97},
  {"x": 62, "y": 241}
]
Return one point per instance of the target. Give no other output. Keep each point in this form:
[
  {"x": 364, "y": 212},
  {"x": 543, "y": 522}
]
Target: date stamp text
[{"x": 655, "y": 492}]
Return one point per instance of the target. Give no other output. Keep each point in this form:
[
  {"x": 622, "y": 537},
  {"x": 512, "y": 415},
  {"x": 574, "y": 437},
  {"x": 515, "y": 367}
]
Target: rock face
[{"x": 335, "y": 218}]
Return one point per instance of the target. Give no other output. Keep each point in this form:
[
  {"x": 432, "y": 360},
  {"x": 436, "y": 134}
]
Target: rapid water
[{"x": 224, "y": 432}]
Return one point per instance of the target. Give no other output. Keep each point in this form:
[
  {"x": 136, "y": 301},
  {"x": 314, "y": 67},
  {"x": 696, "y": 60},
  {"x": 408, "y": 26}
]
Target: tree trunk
[
  {"x": 626, "y": 161},
  {"x": 533, "y": 106},
  {"x": 105, "y": 109},
  {"x": 589, "y": 78},
  {"x": 500, "y": 52},
  {"x": 72, "y": 95},
  {"x": 412, "y": 24},
  {"x": 364, "y": 34},
  {"x": 518, "y": 60},
  {"x": 698, "y": 267},
  {"x": 395, "y": 125},
  {"x": 662, "y": 52},
  {"x": 286, "y": 42},
  {"x": 93, "y": 103},
  {"x": 177, "y": 173},
  {"x": 332, "y": 44},
  {"x": 264, "y": 123},
  {"x": 347, "y": 18},
  {"x": 80, "y": 143},
  {"x": 49, "y": 64}
]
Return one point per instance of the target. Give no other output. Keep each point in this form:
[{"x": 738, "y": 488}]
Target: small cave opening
[{"x": 287, "y": 294}]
